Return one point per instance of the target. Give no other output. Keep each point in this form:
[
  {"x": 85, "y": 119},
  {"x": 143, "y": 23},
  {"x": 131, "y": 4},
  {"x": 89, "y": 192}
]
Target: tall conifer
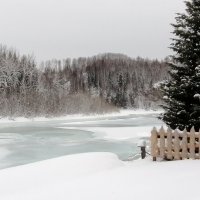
[{"x": 182, "y": 91}]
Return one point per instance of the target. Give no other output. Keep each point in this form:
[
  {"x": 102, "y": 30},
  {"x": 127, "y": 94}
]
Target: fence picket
[
  {"x": 192, "y": 143},
  {"x": 199, "y": 144},
  {"x": 154, "y": 143},
  {"x": 184, "y": 145},
  {"x": 176, "y": 145},
  {"x": 162, "y": 142},
  {"x": 169, "y": 144}
]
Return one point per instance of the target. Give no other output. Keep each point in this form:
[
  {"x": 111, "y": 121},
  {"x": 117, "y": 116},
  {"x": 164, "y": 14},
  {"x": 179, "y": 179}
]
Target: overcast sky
[{"x": 72, "y": 28}]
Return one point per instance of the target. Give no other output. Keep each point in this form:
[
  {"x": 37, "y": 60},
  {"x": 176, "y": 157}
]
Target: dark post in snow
[{"x": 142, "y": 145}]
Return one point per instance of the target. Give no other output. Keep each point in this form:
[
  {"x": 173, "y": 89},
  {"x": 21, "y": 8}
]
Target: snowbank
[
  {"x": 41, "y": 176},
  {"x": 78, "y": 116},
  {"x": 101, "y": 176},
  {"x": 117, "y": 133},
  {"x": 124, "y": 133}
]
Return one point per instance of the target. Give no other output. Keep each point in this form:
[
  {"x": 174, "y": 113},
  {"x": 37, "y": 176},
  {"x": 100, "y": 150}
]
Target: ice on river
[{"x": 27, "y": 141}]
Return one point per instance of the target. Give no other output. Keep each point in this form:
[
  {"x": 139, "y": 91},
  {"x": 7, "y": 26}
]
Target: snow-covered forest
[{"x": 96, "y": 84}]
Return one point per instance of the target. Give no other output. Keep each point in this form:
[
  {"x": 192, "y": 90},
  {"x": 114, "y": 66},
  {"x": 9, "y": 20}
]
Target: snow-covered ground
[
  {"x": 101, "y": 176},
  {"x": 88, "y": 176}
]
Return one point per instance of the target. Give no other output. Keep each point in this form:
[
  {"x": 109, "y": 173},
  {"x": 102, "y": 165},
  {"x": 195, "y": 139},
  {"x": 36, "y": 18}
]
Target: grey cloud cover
[{"x": 73, "y": 28}]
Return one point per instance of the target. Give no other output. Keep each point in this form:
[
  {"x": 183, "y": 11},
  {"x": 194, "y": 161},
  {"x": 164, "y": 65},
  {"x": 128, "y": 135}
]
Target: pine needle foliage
[{"x": 182, "y": 91}]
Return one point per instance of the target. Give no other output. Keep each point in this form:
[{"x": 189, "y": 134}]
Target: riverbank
[{"x": 78, "y": 116}]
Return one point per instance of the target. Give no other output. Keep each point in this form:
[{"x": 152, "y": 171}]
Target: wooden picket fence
[{"x": 175, "y": 145}]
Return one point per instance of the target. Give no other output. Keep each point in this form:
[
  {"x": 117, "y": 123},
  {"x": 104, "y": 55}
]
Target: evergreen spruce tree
[{"x": 182, "y": 91}]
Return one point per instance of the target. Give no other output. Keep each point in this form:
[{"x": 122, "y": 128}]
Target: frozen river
[{"x": 26, "y": 142}]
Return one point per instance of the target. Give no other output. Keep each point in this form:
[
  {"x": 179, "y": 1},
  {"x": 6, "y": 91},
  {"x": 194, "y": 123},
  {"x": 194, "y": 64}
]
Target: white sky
[{"x": 72, "y": 28}]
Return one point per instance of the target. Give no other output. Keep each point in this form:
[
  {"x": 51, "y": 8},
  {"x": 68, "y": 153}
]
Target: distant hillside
[
  {"x": 96, "y": 84},
  {"x": 118, "y": 79}
]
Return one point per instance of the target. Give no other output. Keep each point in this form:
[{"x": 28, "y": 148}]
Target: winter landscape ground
[
  {"x": 97, "y": 175},
  {"x": 100, "y": 176}
]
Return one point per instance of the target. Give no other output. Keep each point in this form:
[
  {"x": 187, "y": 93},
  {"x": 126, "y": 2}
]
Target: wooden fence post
[
  {"x": 154, "y": 141},
  {"x": 162, "y": 142},
  {"x": 199, "y": 143},
  {"x": 192, "y": 143},
  {"x": 169, "y": 144},
  {"x": 184, "y": 145},
  {"x": 176, "y": 145}
]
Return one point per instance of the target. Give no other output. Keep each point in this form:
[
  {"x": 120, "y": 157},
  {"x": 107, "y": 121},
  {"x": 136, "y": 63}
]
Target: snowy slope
[{"x": 101, "y": 176}]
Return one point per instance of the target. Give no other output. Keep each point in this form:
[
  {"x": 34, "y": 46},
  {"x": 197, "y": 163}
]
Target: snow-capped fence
[{"x": 175, "y": 145}]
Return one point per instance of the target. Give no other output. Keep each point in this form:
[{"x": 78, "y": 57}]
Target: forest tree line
[{"x": 97, "y": 84}]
